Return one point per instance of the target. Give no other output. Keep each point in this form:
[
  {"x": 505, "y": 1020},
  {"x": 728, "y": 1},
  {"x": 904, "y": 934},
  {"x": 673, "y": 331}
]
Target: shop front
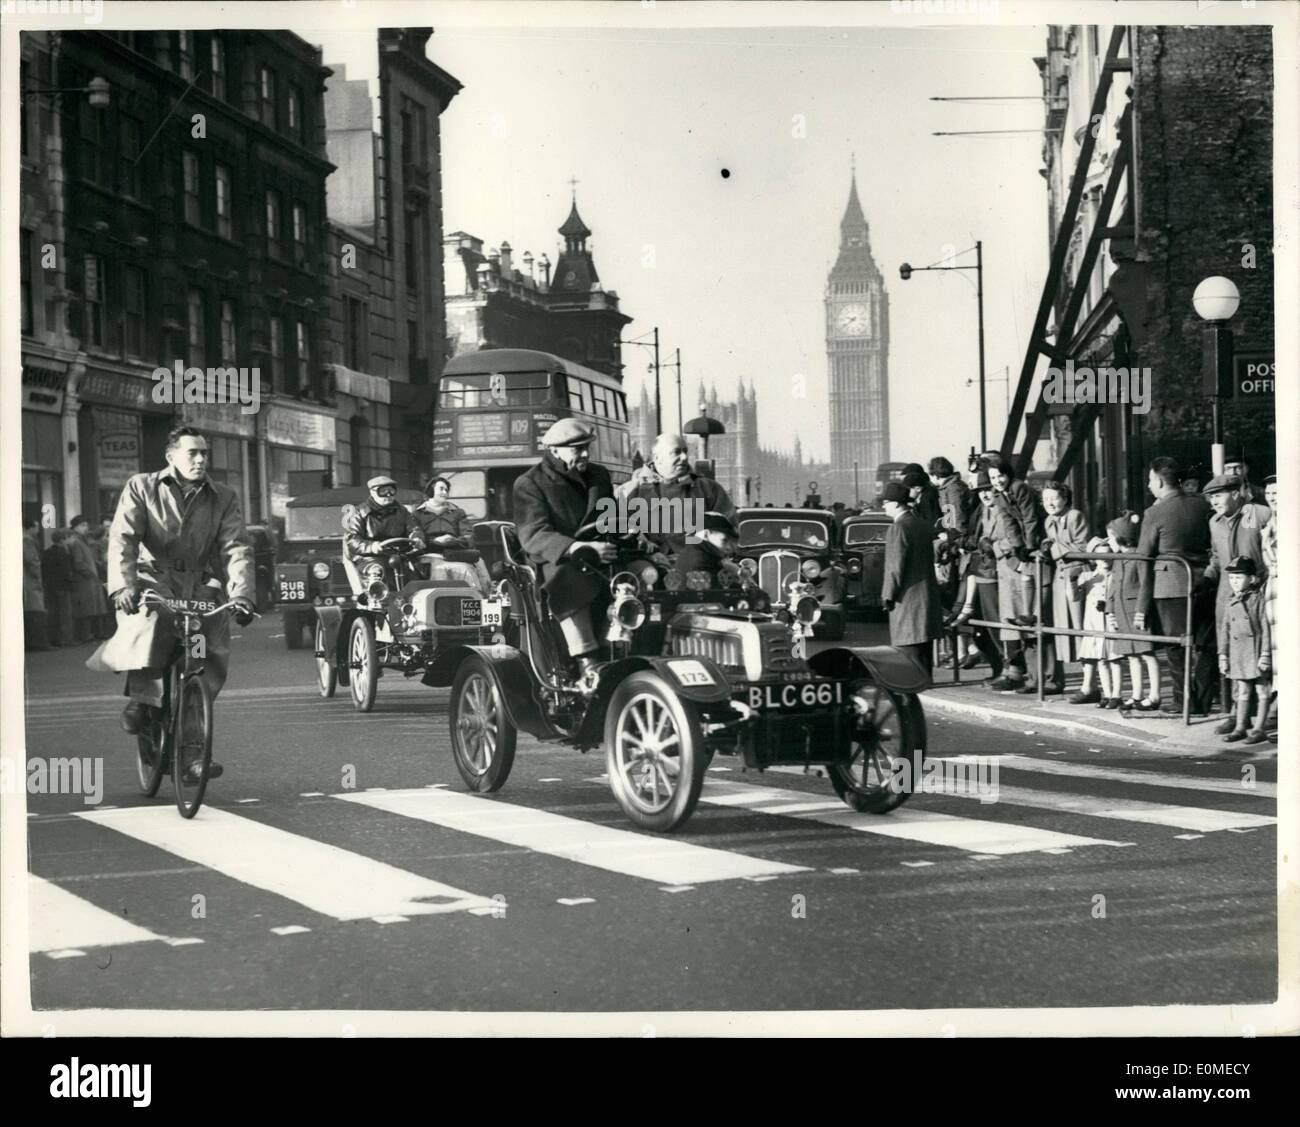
[
  {"x": 296, "y": 443},
  {"x": 121, "y": 432},
  {"x": 43, "y": 449}
]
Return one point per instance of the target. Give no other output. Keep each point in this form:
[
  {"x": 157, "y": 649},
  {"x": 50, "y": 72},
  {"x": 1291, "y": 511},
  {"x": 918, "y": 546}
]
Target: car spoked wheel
[
  {"x": 653, "y": 752},
  {"x": 327, "y": 677},
  {"x": 363, "y": 678},
  {"x": 482, "y": 735},
  {"x": 883, "y": 763}
]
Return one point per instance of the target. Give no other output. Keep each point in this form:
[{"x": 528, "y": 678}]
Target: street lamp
[
  {"x": 1216, "y": 301},
  {"x": 907, "y": 270},
  {"x": 97, "y": 91}
]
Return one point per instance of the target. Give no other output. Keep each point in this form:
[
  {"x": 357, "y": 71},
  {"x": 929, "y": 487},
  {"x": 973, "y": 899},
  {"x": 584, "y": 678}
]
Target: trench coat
[
  {"x": 160, "y": 542},
  {"x": 909, "y": 581},
  {"x": 88, "y": 598},
  {"x": 550, "y": 504},
  {"x": 1246, "y": 636},
  {"x": 1268, "y": 544},
  {"x": 1062, "y": 534},
  {"x": 1237, "y": 535},
  {"x": 1015, "y": 587},
  {"x": 33, "y": 585}
]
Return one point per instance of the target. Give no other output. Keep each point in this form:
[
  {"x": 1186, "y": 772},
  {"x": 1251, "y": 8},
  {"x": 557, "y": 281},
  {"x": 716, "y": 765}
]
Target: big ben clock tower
[{"x": 857, "y": 354}]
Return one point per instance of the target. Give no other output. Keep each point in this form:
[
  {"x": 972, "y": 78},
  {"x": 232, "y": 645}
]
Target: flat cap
[
  {"x": 382, "y": 479},
  {"x": 1242, "y": 565},
  {"x": 895, "y": 491},
  {"x": 912, "y": 479},
  {"x": 1222, "y": 484},
  {"x": 568, "y": 432}
]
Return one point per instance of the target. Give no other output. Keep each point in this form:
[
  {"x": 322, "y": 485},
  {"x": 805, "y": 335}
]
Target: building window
[
  {"x": 422, "y": 135},
  {"x": 266, "y": 96},
  {"x": 196, "y": 330},
  {"x": 225, "y": 225},
  {"x": 294, "y": 111},
  {"x": 414, "y": 345},
  {"x": 354, "y": 335},
  {"x": 273, "y": 224},
  {"x": 408, "y": 133},
  {"x": 93, "y": 128},
  {"x": 193, "y": 204},
  {"x": 228, "y": 332},
  {"x": 92, "y": 288},
  {"x": 300, "y": 229},
  {"x": 410, "y": 249},
  {"x": 28, "y": 107},
  {"x": 133, "y": 311},
  {"x": 360, "y": 460},
  {"x": 217, "y": 67},
  {"x": 277, "y": 354},
  {"x": 25, "y": 273},
  {"x": 302, "y": 355},
  {"x": 185, "y": 54},
  {"x": 128, "y": 149}
]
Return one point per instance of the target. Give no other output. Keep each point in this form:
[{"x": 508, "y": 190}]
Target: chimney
[
  {"x": 528, "y": 265},
  {"x": 505, "y": 260},
  {"x": 544, "y": 265}
]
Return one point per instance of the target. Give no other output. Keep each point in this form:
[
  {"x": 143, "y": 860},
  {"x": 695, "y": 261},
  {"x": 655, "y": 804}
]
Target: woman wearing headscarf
[{"x": 440, "y": 518}]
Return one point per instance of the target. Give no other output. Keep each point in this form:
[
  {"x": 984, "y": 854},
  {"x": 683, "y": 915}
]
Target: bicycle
[{"x": 181, "y": 737}]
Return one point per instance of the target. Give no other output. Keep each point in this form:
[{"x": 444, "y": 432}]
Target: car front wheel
[
  {"x": 482, "y": 736},
  {"x": 363, "y": 660},
  {"x": 882, "y": 766}
]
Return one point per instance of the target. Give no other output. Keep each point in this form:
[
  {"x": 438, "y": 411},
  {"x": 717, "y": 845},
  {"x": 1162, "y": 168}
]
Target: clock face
[{"x": 852, "y": 320}]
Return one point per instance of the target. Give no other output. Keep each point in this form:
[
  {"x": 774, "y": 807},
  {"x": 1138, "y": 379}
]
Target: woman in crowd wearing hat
[
  {"x": 1065, "y": 531},
  {"x": 440, "y": 519},
  {"x": 979, "y": 579},
  {"x": 552, "y": 501},
  {"x": 377, "y": 519},
  {"x": 1122, "y": 593},
  {"x": 89, "y": 599},
  {"x": 1246, "y": 650},
  {"x": 924, "y": 497},
  {"x": 1095, "y": 650}
]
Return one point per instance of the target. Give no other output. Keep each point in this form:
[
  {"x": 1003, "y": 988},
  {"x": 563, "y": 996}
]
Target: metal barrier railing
[{"x": 1038, "y": 630}]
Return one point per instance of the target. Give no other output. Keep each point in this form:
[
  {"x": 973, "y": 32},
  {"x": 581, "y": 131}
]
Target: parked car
[
  {"x": 863, "y": 537},
  {"x": 308, "y": 561},
  {"x": 797, "y": 546}
]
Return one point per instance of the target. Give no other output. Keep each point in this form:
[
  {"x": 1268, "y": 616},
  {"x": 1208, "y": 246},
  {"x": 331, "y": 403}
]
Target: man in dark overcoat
[
  {"x": 908, "y": 590},
  {"x": 552, "y": 501}
]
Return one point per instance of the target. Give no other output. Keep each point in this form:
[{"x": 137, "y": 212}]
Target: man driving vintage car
[
  {"x": 179, "y": 533},
  {"x": 552, "y": 501},
  {"x": 380, "y": 518}
]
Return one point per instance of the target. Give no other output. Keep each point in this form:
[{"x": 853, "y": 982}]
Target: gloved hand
[
  {"x": 127, "y": 600},
  {"x": 887, "y": 605},
  {"x": 244, "y": 609}
]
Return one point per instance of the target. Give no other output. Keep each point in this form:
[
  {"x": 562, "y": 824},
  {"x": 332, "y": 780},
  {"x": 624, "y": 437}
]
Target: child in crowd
[
  {"x": 1245, "y": 649},
  {"x": 1123, "y": 534},
  {"x": 1095, "y": 652}
]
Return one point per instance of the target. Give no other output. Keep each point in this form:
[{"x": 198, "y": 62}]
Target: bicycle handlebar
[{"x": 154, "y": 597}]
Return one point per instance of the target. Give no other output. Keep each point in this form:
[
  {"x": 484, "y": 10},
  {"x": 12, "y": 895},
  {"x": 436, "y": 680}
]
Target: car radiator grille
[
  {"x": 724, "y": 650},
  {"x": 774, "y": 572},
  {"x": 339, "y": 578}
]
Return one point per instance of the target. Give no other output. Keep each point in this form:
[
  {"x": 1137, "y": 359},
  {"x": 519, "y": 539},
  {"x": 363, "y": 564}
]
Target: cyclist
[{"x": 179, "y": 533}]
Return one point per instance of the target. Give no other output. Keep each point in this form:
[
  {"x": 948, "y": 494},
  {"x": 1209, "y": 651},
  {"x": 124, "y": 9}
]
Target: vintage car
[
  {"x": 863, "y": 539},
  {"x": 308, "y": 564},
  {"x": 689, "y": 671},
  {"x": 797, "y": 545},
  {"x": 397, "y": 614}
]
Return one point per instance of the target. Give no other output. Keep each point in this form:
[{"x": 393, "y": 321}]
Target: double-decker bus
[
  {"x": 495, "y": 405},
  {"x": 887, "y": 472}
]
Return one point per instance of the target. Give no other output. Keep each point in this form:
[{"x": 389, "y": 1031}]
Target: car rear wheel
[
  {"x": 654, "y": 752},
  {"x": 327, "y": 675},
  {"x": 363, "y": 661},
  {"x": 482, "y": 735},
  {"x": 883, "y": 763}
]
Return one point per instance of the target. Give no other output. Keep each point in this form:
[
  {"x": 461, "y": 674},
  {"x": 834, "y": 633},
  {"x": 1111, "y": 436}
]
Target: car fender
[
  {"x": 515, "y": 679},
  {"x": 883, "y": 664},
  {"x": 330, "y": 619},
  {"x": 683, "y": 674}
]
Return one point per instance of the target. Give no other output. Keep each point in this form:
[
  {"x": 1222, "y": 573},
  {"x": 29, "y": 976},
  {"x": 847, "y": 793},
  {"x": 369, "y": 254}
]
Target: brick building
[
  {"x": 1183, "y": 129},
  {"x": 491, "y": 303}
]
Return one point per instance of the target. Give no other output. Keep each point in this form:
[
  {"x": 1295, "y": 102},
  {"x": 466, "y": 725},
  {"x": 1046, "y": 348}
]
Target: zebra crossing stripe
[
  {"x": 1120, "y": 809},
  {"x": 907, "y": 824},
  {"x": 664, "y": 860},
  {"x": 324, "y": 878},
  {"x": 59, "y": 920},
  {"x": 1258, "y": 789}
]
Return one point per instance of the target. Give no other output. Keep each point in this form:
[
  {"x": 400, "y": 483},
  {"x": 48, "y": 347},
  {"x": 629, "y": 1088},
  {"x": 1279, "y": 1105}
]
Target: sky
[{"x": 733, "y": 269}]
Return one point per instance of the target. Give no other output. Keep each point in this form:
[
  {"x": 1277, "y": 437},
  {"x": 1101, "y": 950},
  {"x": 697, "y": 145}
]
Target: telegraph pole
[{"x": 659, "y": 429}]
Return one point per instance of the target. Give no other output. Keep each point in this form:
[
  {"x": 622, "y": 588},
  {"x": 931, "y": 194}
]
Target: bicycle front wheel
[{"x": 191, "y": 742}]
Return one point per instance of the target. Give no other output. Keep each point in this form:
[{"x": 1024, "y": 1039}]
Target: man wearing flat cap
[
  {"x": 379, "y": 518},
  {"x": 908, "y": 590},
  {"x": 1236, "y": 530},
  {"x": 552, "y": 501}
]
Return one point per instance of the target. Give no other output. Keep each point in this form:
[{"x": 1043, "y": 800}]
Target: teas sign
[{"x": 1253, "y": 375}]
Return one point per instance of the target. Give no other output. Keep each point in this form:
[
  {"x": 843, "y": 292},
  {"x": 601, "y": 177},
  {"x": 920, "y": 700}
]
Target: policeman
[
  {"x": 377, "y": 519},
  {"x": 552, "y": 501}
]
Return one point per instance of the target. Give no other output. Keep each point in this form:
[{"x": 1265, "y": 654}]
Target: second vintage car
[
  {"x": 797, "y": 546},
  {"x": 863, "y": 537}
]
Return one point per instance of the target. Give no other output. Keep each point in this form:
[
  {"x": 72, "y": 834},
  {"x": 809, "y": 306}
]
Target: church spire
[{"x": 853, "y": 217}]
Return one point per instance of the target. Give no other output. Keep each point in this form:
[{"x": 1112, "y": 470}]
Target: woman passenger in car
[{"x": 440, "y": 518}]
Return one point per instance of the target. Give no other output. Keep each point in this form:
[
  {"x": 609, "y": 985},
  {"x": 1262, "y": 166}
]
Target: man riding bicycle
[{"x": 179, "y": 533}]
